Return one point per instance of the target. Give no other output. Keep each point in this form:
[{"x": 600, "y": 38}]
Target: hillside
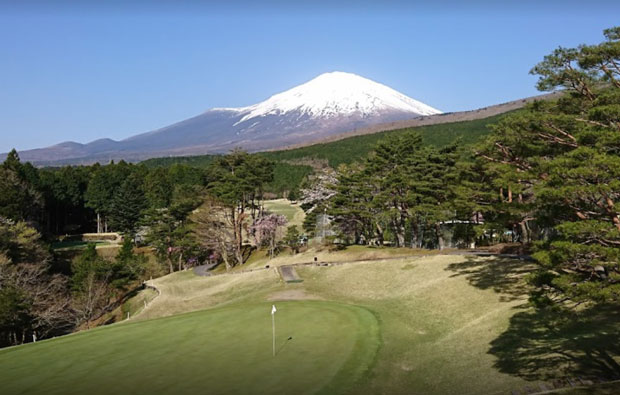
[
  {"x": 438, "y": 130},
  {"x": 433, "y": 325},
  {"x": 292, "y": 165},
  {"x": 353, "y": 148},
  {"x": 329, "y": 104}
]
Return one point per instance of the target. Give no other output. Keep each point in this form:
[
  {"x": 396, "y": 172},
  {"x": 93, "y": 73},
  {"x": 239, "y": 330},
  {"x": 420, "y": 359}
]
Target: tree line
[
  {"x": 164, "y": 209},
  {"x": 546, "y": 177}
]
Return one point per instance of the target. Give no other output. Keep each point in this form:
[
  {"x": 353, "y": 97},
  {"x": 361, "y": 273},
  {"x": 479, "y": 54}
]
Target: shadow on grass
[
  {"x": 543, "y": 344},
  {"x": 281, "y": 348},
  {"x": 546, "y": 344},
  {"x": 504, "y": 276}
]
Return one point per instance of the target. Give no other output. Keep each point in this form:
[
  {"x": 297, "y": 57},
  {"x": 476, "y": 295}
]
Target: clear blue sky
[{"x": 76, "y": 72}]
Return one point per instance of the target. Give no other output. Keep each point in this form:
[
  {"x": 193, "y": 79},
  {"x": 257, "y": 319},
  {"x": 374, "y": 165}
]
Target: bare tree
[
  {"x": 216, "y": 228},
  {"x": 92, "y": 300}
]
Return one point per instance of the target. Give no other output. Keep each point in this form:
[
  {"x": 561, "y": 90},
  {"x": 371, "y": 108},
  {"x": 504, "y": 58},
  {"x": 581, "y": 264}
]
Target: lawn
[
  {"x": 293, "y": 213},
  {"x": 260, "y": 258},
  {"x": 77, "y": 244},
  {"x": 440, "y": 324},
  {"x": 225, "y": 350}
]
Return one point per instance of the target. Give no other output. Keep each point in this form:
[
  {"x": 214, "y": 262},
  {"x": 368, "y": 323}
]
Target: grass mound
[{"x": 225, "y": 350}]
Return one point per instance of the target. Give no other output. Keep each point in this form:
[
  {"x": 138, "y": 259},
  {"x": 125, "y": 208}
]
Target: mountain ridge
[
  {"x": 328, "y": 104},
  {"x": 277, "y": 135}
]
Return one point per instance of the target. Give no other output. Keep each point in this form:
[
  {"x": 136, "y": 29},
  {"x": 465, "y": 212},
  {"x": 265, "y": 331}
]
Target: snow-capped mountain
[
  {"x": 335, "y": 94},
  {"x": 329, "y": 104}
]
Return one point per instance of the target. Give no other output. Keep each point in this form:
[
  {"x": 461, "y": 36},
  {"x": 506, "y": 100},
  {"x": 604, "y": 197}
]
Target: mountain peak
[
  {"x": 330, "y": 103},
  {"x": 334, "y": 94}
]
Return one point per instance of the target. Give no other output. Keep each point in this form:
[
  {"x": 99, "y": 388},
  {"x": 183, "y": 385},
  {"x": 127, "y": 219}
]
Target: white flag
[{"x": 273, "y": 309}]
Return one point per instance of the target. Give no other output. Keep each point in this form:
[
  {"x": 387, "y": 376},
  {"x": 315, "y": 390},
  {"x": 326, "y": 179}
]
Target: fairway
[
  {"x": 442, "y": 324},
  {"x": 225, "y": 350},
  {"x": 293, "y": 213}
]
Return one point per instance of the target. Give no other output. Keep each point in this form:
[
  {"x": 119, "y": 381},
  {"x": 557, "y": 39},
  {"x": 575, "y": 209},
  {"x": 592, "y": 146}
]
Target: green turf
[
  {"x": 76, "y": 244},
  {"x": 226, "y": 350},
  {"x": 293, "y": 213},
  {"x": 443, "y": 324}
]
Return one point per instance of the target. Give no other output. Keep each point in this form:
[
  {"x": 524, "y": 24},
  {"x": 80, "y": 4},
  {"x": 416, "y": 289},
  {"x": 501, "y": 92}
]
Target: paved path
[
  {"x": 203, "y": 270},
  {"x": 289, "y": 274}
]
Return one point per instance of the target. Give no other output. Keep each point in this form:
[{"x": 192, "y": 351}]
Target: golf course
[
  {"x": 219, "y": 351},
  {"x": 419, "y": 324}
]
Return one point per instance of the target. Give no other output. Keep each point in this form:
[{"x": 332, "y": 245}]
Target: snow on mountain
[
  {"x": 335, "y": 94},
  {"x": 329, "y": 104}
]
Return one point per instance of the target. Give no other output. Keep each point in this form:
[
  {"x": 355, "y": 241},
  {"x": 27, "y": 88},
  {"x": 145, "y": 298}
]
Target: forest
[{"x": 546, "y": 177}]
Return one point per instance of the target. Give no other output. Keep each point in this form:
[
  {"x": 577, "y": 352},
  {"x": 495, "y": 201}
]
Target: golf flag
[{"x": 273, "y": 327}]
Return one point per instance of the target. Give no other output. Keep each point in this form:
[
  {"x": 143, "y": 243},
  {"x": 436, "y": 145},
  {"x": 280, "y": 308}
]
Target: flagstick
[{"x": 273, "y": 329}]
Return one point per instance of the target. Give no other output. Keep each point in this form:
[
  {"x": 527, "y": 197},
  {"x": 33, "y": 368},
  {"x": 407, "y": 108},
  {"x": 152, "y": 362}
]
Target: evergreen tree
[
  {"x": 102, "y": 187},
  {"x": 294, "y": 195},
  {"x": 127, "y": 205},
  {"x": 237, "y": 180},
  {"x": 291, "y": 238},
  {"x": 566, "y": 155},
  {"x": 128, "y": 266},
  {"x": 158, "y": 188},
  {"x": 19, "y": 198},
  {"x": 403, "y": 184},
  {"x": 12, "y": 161}
]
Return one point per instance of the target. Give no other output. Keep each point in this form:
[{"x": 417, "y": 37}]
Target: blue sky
[{"x": 70, "y": 71}]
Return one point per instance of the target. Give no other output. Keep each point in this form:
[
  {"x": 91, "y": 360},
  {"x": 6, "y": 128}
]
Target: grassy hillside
[
  {"x": 293, "y": 213},
  {"x": 427, "y": 324},
  {"x": 354, "y": 148}
]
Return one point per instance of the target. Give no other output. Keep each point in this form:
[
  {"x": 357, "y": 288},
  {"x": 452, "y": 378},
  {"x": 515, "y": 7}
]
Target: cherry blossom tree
[{"x": 265, "y": 230}]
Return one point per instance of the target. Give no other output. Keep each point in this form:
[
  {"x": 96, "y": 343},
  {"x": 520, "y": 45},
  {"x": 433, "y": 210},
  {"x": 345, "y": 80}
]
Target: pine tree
[
  {"x": 291, "y": 238},
  {"x": 566, "y": 156},
  {"x": 127, "y": 205}
]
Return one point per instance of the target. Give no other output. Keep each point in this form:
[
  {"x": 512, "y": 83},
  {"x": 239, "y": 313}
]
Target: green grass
[
  {"x": 227, "y": 350},
  {"x": 441, "y": 324},
  {"x": 76, "y": 244},
  {"x": 260, "y": 258},
  {"x": 136, "y": 304},
  {"x": 293, "y": 213}
]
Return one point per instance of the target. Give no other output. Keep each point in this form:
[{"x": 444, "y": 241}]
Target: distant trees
[
  {"x": 294, "y": 195},
  {"x": 128, "y": 267},
  {"x": 214, "y": 229},
  {"x": 63, "y": 192},
  {"x": 158, "y": 188},
  {"x": 404, "y": 185},
  {"x": 33, "y": 299},
  {"x": 104, "y": 184},
  {"x": 292, "y": 239},
  {"x": 19, "y": 200},
  {"x": 237, "y": 181},
  {"x": 265, "y": 230},
  {"x": 90, "y": 285}
]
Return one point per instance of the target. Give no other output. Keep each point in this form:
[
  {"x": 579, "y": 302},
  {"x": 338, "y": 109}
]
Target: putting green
[{"x": 226, "y": 350}]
